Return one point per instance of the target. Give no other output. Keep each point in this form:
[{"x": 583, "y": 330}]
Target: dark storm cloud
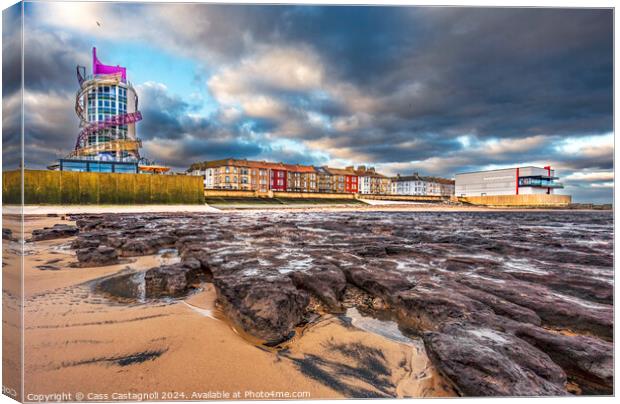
[
  {"x": 395, "y": 86},
  {"x": 11, "y": 83},
  {"x": 490, "y": 72}
]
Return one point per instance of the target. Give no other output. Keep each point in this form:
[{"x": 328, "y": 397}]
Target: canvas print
[{"x": 298, "y": 201}]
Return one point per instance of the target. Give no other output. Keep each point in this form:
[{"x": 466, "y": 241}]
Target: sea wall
[
  {"x": 409, "y": 198},
  {"x": 232, "y": 193},
  {"x": 532, "y": 200},
  {"x": 76, "y": 188}
]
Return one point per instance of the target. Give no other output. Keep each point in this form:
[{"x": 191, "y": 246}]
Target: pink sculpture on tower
[{"x": 100, "y": 68}]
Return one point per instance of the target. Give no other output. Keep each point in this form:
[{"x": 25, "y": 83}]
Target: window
[{"x": 227, "y": 179}]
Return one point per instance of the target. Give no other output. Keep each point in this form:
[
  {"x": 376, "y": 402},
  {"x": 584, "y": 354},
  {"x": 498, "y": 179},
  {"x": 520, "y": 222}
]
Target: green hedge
[{"x": 75, "y": 188}]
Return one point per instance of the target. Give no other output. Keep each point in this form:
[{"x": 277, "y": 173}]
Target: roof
[
  {"x": 321, "y": 170},
  {"x": 417, "y": 177},
  {"x": 339, "y": 171},
  {"x": 502, "y": 169},
  {"x": 250, "y": 164},
  {"x": 367, "y": 173},
  {"x": 297, "y": 168}
]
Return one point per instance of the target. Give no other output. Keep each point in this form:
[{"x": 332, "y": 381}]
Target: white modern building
[
  {"x": 507, "y": 181},
  {"x": 421, "y": 186}
]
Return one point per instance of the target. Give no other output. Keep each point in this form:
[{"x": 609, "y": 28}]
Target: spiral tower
[{"x": 107, "y": 105}]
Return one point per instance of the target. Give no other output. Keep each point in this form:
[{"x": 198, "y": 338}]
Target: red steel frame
[
  {"x": 517, "y": 180},
  {"x": 548, "y": 168}
]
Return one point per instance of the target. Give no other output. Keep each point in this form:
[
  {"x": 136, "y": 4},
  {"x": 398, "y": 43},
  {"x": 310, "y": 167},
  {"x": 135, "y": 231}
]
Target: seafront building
[
  {"x": 417, "y": 185},
  {"x": 508, "y": 181},
  {"x": 343, "y": 180},
  {"x": 264, "y": 176},
  {"x": 371, "y": 182},
  {"x": 107, "y": 106}
]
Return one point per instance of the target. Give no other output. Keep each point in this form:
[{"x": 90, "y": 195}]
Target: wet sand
[{"x": 79, "y": 339}]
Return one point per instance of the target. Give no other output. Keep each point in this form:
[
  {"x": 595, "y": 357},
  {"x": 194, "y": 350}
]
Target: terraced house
[
  {"x": 371, "y": 182},
  {"x": 263, "y": 176},
  {"x": 241, "y": 175},
  {"x": 301, "y": 178},
  {"x": 421, "y": 185},
  {"x": 343, "y": 181}
]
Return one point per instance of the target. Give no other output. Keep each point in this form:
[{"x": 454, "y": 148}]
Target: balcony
[{"x": 540, "y": 182}]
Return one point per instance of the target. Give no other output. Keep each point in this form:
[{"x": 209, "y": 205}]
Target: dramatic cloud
[{"x": 434, "y": 90}]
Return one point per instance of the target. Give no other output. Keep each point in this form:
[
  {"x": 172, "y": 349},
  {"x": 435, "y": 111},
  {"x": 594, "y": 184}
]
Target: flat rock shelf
[{"x": 497, "y": 303}]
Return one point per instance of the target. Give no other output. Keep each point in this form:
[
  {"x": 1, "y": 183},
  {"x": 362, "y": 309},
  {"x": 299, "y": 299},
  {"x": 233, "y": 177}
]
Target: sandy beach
[
  {"x": 79, "y": 340},
  {"x": 321, "y": 302}
]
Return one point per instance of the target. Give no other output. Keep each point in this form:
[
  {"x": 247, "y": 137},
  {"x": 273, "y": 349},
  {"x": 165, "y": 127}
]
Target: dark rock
[
  {"x": 430, "y": 308},
  {"x": 376, "y": 281},
  {"x": 150, "y": 245},
  {"x": 137, "y": 247},
  {"x": 486, "y": 362},
  {"x": 90, "y": 223},
  {"x": 553, "y": 309},
  {"x": 170, "y": 280},
  {"x": 324, "y": 280},
  {"x": 501, "y": 306},
  {"x": 575, "y": 284},
  {"x": 587, "y": 360},
  {"x": 97, "y": 256},
  {"x": 198, "y": 256},
  {"x": 268, "y": 308},
  {"x": 82, "y": 242},
  {"x": 7, "y": 234},
  {"x": 54, "y": 232},
  {"x": 468, "y": 263},
  {"x": 376, "y": 251}
]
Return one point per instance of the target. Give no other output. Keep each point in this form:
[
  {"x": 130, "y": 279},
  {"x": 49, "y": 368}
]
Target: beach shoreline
[{"x": 392, "y": 207}]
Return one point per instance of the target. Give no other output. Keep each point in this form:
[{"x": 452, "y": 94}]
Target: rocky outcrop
[
  {"x": 485, "y": 362},
  {"x": 325, "y": 281},
  {"x": 97, "y": 256},
  {"x": 503, "y": 309},
  {"x": 171, "y": 280},
  {"x": 430, "y": 308},
  {"x": 7, "y": 234},
  {"x": 379, "y": 282},
  {"x": 54, "y": 232},
  {"x": 553, "y": 309},
  {"x": 268, "y": 308},
  {"x": 587, "y": 360}
]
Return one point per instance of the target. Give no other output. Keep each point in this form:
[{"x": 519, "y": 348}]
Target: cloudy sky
[{"x": 432, "y": 90}]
